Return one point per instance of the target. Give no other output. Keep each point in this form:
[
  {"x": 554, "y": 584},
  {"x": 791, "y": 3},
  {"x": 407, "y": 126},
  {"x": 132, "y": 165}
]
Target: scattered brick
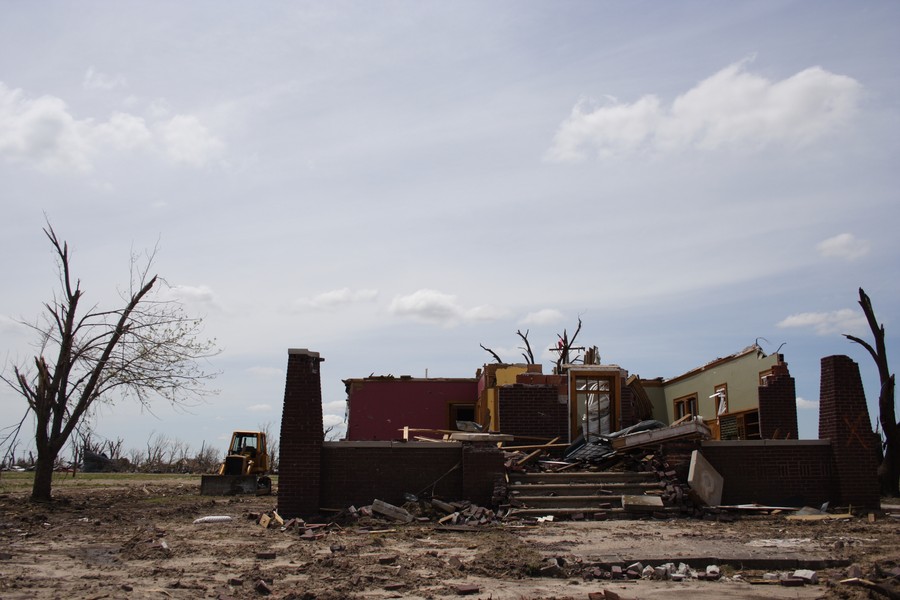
[{"x": 464, "y": 589}]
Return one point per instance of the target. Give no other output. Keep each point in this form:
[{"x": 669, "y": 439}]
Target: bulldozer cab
[
  {"x": 247, "y": 454},
  {"x": 244, "y": 469}
]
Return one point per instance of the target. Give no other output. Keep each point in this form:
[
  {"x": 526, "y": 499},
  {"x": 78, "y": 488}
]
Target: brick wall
[
  {"x": 629, "y": 412},
  {"x": 774, "y": 472},
  {"x": 314, "y": 474},
  {"x": 844, "y": 419},
  {"x": 301, "y": 436},
  {"x": 483, "y": 466},
  {"x": 778, "y": 405},
  {"x": 356, "y": 473},
  {"x": 533, "y": 410}
]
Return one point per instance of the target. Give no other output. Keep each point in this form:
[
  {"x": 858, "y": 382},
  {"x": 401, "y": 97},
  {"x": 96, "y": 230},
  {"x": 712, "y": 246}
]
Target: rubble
[{"x": 507, "y": 557}]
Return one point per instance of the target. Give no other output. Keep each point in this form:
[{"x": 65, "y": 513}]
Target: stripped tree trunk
[{"x": 889, "y": 470}]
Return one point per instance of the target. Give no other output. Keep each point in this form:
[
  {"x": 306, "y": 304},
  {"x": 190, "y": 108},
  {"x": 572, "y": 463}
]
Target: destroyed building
[
  {"x": 737, "y": 414},
  {"x": 521, "y": 400}
]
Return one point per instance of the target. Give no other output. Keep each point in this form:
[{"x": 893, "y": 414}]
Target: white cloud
[
  {"x": 826, "y": 323},
  {"x": 196, "y": 296},
  {"x": 845, "y": 246},
  {"x": 731, "y": 109},
  {"x": 545, "y": 316},
  {"x": 332, "y": 420},
  {"x": 95, "y": 80},
  {"x": 336, "y": 407},
  {"x": 266, "y": 372},
  {"x": 123, "y": 131},
  {"x": 432, "y": 306},
  {"x": 334, "y": 298},
  {"x": 260, "y": 408},
  {"x": 186, "y": 140},
  {"x": 42, "y": 132},
  {"x": 804, "y": 404},
  {"x": 427, "y": 305}
]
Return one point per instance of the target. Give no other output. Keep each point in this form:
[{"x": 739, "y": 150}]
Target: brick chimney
[
  {"x": 301, "y": 436},
  {"x": 844, "y": 419},
  {"x": 778, "y": 405}
]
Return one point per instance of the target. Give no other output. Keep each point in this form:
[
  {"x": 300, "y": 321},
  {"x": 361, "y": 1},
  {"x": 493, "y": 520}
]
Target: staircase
[{"x": 591, "y": 494}]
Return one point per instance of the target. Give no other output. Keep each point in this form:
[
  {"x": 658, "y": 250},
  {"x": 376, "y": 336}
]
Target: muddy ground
[{"x": 134, "y": 537}]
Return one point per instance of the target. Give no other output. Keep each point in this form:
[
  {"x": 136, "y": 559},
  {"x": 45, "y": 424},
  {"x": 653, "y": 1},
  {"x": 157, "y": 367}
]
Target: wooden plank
[
  {"x": 536, "y": 446},
  {"x": 528, "y": 458},
  {"x": 536, "y": 452},
  {"x": 682, "y": 419},
  {"x": 444, "y": 506},
  {"x": 461, "y": 436},
  {"x": 825, "y": 517},
  {"x": 389, "y": 510}
]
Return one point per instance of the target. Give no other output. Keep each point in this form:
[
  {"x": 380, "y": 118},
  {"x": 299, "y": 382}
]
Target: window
[
  {"x": 461, "y": 412},
  {"x": 686, "y": 405},
  {"x": 593, "y": 401},
  {"x": 720, "y": 397},
  {"x": 740, "y": 426}
]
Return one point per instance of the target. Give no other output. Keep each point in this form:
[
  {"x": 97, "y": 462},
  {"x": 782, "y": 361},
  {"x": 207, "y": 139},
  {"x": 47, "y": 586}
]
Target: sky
[{"x": 393, "y": 184}]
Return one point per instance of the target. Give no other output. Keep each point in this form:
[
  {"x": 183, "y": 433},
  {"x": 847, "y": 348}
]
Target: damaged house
[
  {"x": 520, "y": 400},
  {"x": 740, "y": 411}
]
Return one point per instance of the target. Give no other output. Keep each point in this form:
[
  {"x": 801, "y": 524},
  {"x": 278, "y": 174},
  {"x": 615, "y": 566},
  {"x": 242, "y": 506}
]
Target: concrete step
[
  {"x": 582, "y": 502},
  {"x": 588, "y": 513},
  {"x": 584, "y": 477},
  {"x": 583, "y": 489}
]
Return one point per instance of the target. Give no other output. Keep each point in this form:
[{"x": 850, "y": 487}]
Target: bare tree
[
  {"x": 157, "y": 444},
  {"x": 145, "y": 348},
  {"x": 496, "y": 356},
  {"x": 207, "y": 459},
  {"x": 564, "y": 346},
  {"x": 136, "y": 459},
  {"x": 889, "y": 469},
  {"x": 527, "y": 354}
]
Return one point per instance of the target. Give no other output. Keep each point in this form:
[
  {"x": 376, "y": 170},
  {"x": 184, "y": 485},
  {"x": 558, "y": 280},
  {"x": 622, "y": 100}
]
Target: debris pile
[
  {"x": 461, "y": 514},
  {"x": 638, "y": 472}
]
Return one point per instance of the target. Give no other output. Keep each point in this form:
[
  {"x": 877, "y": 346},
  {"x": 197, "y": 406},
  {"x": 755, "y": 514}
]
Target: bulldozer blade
[{"x": 227, "y": 485}]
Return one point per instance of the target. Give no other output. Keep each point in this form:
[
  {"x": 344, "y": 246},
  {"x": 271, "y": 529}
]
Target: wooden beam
[
  {"x": 536, "y": 452},
  {"x": 682, "y": 419},
  {"x": 536, "y": 446}
]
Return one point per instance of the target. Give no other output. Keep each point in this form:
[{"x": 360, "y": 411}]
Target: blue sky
[{"x": 392, "y": 184}]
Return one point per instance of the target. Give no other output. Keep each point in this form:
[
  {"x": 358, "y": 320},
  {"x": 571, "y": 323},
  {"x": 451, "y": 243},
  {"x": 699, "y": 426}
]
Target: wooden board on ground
[
  {"x": 389, "y": 510},
  {"x": 823, "y": 517}
]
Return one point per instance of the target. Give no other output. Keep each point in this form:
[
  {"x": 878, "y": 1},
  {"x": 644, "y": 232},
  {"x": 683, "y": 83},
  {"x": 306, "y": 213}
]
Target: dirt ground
[{"x": 134, "y": 537}]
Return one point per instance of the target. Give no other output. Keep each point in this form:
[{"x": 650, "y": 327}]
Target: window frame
[{"x": 684, "y": 402}]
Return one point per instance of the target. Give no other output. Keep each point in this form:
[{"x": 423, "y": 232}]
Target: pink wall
[{"x": 380, "y": 408}]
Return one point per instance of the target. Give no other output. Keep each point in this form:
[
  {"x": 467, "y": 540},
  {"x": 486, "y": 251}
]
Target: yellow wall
[{"x": 507, "y": 375}]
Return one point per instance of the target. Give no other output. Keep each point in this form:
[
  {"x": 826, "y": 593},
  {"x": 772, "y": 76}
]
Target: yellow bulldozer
[{"x": 245, "y": 470}]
